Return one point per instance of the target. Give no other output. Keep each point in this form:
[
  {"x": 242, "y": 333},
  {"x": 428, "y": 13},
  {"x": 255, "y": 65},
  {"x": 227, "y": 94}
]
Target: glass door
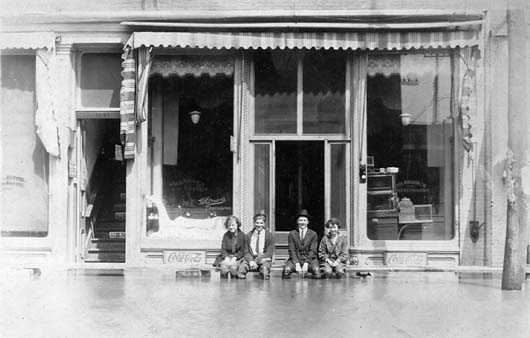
[{"x": 294, "y": 175}]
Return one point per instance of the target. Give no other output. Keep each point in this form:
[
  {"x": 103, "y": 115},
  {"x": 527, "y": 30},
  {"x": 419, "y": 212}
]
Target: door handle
[{"x": 362, "y": 173}]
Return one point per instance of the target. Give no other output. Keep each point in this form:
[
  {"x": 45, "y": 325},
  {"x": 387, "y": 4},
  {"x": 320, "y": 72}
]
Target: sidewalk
[{"x": 139, "y": 303}]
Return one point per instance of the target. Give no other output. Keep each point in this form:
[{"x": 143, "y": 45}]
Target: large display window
[
  {"x": 24, "y": 160},
  {"x": 190, "y": 149},
  {"x": 410, "y": 129}
]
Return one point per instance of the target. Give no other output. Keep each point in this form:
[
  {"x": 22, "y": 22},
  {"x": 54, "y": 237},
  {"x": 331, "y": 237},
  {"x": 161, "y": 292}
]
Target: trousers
[
  {"x": 263, "y": 268},
  {"x": 328, "y": 270},
  {"x": 290, "y": 267}
]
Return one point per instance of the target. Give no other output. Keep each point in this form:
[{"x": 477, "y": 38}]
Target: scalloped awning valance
[
  {"x": 32, "y": 40},
  {"x": 370, "y": 40}
]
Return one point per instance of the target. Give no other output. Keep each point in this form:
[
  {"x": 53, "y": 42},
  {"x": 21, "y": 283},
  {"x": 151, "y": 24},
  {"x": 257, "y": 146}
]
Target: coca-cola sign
[
  {"x": 186, "y": 258},
  {"x": 406, "y": 258}
]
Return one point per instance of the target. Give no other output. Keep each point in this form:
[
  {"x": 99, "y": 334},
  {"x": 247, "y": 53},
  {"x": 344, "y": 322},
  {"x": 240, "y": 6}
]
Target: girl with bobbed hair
[{"x": 232, "y": 247}]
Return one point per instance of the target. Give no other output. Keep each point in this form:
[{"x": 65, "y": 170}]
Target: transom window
[
  {"x": 300, "y": 92},
  {"x": 99, "y": 81}
]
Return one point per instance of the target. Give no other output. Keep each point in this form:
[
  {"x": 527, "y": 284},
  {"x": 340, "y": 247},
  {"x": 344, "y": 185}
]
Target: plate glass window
[
  {"x": 24, "y": 168},
  {"x": 191, "y": 162},
  {"x": 410, "y": 132}
]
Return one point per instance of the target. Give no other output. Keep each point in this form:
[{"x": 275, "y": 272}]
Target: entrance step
[
  {"x": 106, "y": 250},
  {"x": 110, "y": 224},
  {"x": 105, "y": 257},
  {"x": 108, "y": 244},
  {"x": 119, "y": 206}
]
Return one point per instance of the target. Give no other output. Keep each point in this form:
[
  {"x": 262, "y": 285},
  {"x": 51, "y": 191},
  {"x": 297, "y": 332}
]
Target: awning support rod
[{"x": 293, "y": 25}]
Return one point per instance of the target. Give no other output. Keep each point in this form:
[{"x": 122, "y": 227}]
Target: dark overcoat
[{"x": 302, "y": 251}]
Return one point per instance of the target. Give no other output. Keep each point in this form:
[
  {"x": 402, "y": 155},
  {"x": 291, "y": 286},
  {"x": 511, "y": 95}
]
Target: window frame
[{"x": 345, "y": 138}]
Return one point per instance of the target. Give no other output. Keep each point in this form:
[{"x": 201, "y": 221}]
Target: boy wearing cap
[
  {"x": 333, "y": 250},
  {"x": 259, "y": 249},
  {"x": 303, "y": 246}
]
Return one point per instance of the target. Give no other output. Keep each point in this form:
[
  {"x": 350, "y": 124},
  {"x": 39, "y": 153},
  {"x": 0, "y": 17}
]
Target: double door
[{"x": 290, "y": 175}]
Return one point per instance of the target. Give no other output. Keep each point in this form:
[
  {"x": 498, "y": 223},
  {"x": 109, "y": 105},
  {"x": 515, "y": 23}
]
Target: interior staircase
[{"x": 108, "y": 242}]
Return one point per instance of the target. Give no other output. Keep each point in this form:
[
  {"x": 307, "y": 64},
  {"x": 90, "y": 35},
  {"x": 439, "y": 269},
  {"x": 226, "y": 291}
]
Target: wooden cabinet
[
  {"x": 382, "y": 210},
  {"x": 382, "y": 225}
]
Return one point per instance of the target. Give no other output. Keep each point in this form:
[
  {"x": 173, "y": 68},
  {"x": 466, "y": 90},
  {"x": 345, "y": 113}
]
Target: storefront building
[{"x": 130, "y": 140}]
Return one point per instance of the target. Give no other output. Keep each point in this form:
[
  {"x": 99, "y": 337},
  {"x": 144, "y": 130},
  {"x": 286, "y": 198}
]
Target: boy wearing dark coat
[
  {"x": 259, "y": 249},
  {"x": 303, "y": 246}
]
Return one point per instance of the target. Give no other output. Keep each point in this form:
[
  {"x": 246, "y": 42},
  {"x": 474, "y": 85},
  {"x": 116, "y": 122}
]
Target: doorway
[
  {"x": 299, "y": 184},
  {"x": 101, "y": 191}
]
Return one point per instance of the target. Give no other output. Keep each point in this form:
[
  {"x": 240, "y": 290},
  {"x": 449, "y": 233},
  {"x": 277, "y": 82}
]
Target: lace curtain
[{"x": 195, "y": 65}]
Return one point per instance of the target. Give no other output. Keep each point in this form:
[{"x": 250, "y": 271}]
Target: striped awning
[
  {"x": 33, "y": 40},
  {"x": 127, "y": 104},
  {"x": 369, "y": 40}
]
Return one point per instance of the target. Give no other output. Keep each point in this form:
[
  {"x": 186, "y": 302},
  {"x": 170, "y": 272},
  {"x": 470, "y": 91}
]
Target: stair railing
[{"x": 91, "y": 216}]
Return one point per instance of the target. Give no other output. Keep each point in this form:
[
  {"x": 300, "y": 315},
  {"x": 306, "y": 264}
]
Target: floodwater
[{"x": 394, "y": 304}]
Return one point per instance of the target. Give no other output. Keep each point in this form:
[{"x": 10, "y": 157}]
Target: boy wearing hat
[
  {"x": 259, "y": 249},
  {"x": 303, "y": 246}
]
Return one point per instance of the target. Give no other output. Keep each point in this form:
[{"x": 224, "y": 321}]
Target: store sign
[
  {"x": 406, "y": 259},
  {"x": 185, "y": 258},
  {"x": 117, "y": 234}
]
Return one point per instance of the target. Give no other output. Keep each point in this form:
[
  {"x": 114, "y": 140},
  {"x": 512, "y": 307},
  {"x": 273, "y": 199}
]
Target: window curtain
[
  {"x": 195, "y": 65},
  {"x": 386, "y": 65},
  {"x": 45, "y": 117}
]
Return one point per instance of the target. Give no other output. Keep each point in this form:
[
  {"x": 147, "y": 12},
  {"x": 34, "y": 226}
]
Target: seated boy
[
  {"x": 333, "y": 250},
  {"x": 303, "y": 246},
  {"x": 259, "y": 249}
]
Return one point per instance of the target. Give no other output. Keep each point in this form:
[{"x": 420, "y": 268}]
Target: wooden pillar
[
  {"x": 62, "y": 82},
  {"x": 517, "y": 166},
  {"x": 137, "y": 181},
  {"x": 241, "y": 160}
]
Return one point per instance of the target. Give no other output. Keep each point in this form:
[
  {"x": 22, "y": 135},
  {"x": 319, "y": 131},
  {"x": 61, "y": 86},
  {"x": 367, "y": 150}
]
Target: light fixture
[
  {"x": 405, "y": 118},
  {"x": 195, "y": 116}
]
